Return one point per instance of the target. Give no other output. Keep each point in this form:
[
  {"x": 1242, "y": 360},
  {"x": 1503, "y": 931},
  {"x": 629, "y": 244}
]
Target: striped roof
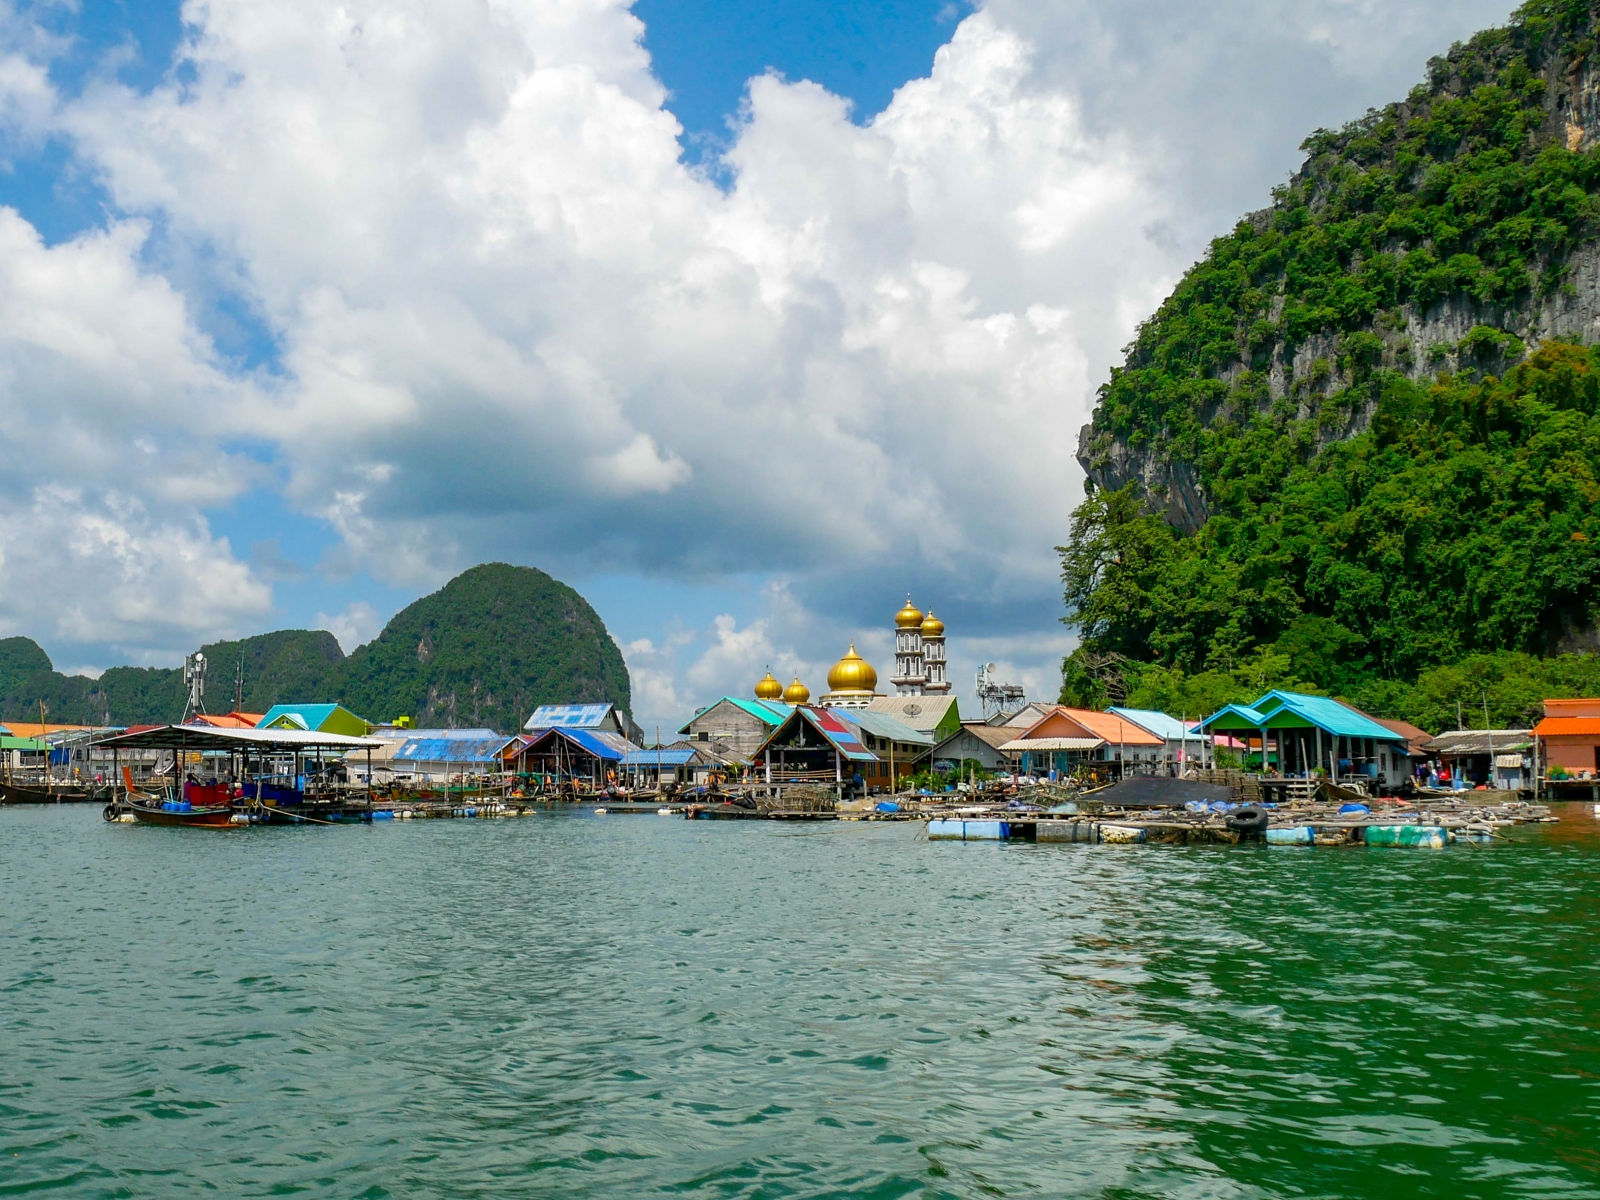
[{"x": 840, "y": 735}]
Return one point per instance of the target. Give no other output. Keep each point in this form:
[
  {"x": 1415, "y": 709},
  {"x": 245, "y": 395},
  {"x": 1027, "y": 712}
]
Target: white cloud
[
  {"x": 356, "y": 625},
  {"x": 510, "y": 322}
]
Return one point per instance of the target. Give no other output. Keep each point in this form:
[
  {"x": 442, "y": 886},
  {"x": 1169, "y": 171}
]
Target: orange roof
[
  {"x": 1108, "y": 727},
  {"x": 1572, "y": 708},
  {"x": 233, "y": 720},
  {"x": 1568, "y": 727},
  {"x": 32, "y": 729}
]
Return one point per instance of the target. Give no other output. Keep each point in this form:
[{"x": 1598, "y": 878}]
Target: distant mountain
[{"x": 489, "y": 647}]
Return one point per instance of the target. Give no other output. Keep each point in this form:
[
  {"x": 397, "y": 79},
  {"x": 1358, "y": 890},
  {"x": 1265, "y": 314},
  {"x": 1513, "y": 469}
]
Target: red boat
[{"x": 154, "y": 810}]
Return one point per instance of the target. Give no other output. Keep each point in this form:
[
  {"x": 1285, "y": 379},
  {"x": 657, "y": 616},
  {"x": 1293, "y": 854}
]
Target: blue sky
[{"x": 704, "y": 52}]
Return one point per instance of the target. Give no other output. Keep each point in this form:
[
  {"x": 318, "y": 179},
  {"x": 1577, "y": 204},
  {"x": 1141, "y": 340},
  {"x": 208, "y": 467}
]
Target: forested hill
[
  {"x": 486, "y": 649},
  {"x": 1360, "y": 443}
]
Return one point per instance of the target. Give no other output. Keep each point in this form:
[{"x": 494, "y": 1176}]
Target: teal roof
[
  {"x": 884, "y": 726},
  {"x": 1249, "y": 718},
  {"x": 769, "y": 712},
  {"x": 1325, "y": 713},
  {"x": 307, "y": 716}
]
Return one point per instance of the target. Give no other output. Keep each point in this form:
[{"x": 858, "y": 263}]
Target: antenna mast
[{"x": 194, "y": 679}]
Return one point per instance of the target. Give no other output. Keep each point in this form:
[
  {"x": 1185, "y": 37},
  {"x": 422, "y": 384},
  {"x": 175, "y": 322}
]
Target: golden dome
[
  {"x": 908, "y": 617},
  {"x": 796, "y": 692},
  {"x": 769, "y": 688},
  {"x": 852, "y": 673},
  {"x": 932, "y": 627}
]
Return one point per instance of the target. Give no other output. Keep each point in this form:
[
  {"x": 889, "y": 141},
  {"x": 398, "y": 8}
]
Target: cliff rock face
[
  {"x": 1547, "y": 53},
  {"x": 1362, "y": 436}
]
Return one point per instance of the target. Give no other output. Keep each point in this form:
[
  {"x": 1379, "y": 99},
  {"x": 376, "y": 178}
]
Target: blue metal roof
[
  {"x": 451, "y": 749},
  {"x": 1158, "y": 723},
  {"x": 612, "y": 747},
  {"x": 568, "y": 716},
  {"x": 1326, "y": 713},
  {"x": 666, "y": 758}
]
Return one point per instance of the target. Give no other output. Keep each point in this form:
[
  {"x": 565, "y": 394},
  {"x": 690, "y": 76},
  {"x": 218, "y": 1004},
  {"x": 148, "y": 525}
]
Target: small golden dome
[
  {"x": 769, "y": 688},
  {"x": 796, "y": 692},
  {"x": 932, "y": 627},
  {"x": 908, "y": 617},
  {"x": 852, "y": 673}
]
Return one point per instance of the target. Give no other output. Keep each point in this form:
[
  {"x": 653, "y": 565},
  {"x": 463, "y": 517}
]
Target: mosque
[{"x": 919, "y": 662}]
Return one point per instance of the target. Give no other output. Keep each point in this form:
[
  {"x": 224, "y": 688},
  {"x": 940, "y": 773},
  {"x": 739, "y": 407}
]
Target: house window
[{"x": 705, "y": 735}]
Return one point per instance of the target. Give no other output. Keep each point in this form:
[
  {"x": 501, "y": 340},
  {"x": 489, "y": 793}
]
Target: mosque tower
[
  {"x": 908, "y": 670},
  {"x": 933, "y": 663}
]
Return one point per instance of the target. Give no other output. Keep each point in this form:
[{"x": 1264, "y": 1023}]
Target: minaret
[
  {"x": 933, "y": 656},
  {"x": 908, "y": 676}
]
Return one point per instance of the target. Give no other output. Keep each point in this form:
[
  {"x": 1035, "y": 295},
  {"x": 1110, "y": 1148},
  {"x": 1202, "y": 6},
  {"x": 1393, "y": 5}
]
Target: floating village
[{"x": 1286, "y": 769}]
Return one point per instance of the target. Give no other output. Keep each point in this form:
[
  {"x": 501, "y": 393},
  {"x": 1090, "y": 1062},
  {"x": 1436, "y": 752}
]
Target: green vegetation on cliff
[
  {"x": 486, "y": 649},
  {"x": 1376, "y": 503}
]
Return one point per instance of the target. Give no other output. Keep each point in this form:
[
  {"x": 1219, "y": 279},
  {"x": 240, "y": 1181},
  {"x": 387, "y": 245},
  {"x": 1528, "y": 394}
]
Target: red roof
[{"x": 1568, "y": 727}]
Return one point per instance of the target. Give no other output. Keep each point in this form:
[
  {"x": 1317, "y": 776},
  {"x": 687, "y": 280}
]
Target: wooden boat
[
  {"x": 43, "y": 793},
  {"x": 216, "y": 816}
]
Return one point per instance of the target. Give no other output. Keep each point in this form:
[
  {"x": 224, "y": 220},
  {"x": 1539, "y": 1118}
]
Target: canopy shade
[{"x": 205, "y": 737}]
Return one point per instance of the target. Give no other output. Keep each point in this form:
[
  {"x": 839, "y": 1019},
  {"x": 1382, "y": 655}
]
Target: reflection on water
[{"x": 579, "y": 1006}]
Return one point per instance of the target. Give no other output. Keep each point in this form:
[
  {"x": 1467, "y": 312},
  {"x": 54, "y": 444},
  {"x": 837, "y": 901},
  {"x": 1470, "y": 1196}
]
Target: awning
[
  {"x": 206, "y": 737},
  {"x": 1022, "y": 745}
]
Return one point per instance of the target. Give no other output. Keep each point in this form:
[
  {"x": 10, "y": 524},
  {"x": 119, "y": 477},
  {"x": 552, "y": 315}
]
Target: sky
[{"x": 746, "y": 320}]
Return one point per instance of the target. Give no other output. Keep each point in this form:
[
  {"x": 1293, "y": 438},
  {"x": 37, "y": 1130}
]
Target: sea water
[{"x": 570, "y": 1005}]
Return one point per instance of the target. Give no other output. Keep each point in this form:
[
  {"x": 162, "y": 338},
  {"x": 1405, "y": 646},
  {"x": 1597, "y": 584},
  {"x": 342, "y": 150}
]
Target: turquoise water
[{"x": 565, "y": 1006}]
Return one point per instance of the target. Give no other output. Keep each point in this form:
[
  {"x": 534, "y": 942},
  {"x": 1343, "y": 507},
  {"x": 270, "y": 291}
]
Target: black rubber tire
[
  {"x": 109, "y": 812},
  {"x": 1249, "y": 821}
]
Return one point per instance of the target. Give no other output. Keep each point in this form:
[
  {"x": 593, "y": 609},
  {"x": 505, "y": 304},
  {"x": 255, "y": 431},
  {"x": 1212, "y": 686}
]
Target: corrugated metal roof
[
  {"x": 1021, "y": 745},
  {"x": 1325, "y": 713},
  {"x": 1158, "y": 723},
  {"x": 919, "y": 712},
  {"x": 881, "y": 724},
  {"x": 1480, "y": 741},
  {"x": 994, "y": 736},
  {"x": 568, "y": 716},
  {"x": 461, "y": 750}
]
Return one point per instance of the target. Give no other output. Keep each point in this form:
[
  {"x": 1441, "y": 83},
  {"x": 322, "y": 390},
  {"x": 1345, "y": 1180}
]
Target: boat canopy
[{"x": 206, "y": 737}]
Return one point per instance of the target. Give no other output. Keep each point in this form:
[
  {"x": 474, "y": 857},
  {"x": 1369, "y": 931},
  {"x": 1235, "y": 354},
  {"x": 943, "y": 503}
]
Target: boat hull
[{"x": 200, "y": 818}]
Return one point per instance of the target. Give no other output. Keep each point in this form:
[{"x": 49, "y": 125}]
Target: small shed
[
  {"x": 899, "y": 749},
  {"x": 813, "y": 745},
  {"x": 1473, "y": 755},
  {"x": 1569, "y": 738},
  {"x": 1184, "y": 746},
  {"x": 314, "y": 718},
  {"x": 559, "y": 754},
  {"x": 976, "y": 740},
  {"x": 734, "y": 727}
]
